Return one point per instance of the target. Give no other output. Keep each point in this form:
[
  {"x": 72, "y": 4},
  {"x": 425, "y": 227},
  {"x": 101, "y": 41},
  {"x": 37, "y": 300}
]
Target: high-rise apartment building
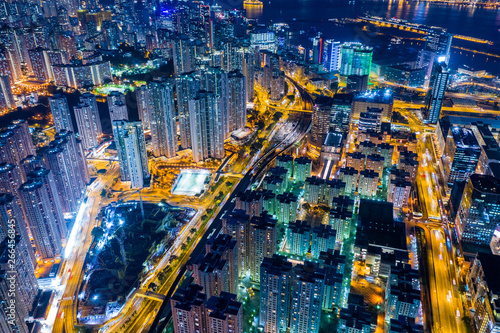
[
  {"x": 206, "y": 118},
  {"x": 188, "y": 309},
  {"x": 144, "y": 103},
  {"x": 6, "y": 96},
  {"x": 132, "y": 154},
  {"x": 117, "y": 106},
  {"x": 237, "y": 112},
  {"x": 60, "y": 112},
  {"x": 88, "y": 121},
  {"x": 187, "y": 86},
  {"x": 308, "y": 282},
  {"x": 224, "y": 314},
  {"x": 275, "y": 293},
  {"x": 162, "y": 119},
  {"x": 69, "y": 167},
  {"x": 41, "y": 220}
]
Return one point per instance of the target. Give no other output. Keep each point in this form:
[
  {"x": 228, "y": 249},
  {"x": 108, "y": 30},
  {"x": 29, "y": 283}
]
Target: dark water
[
  {"x": 458, "y": 19},
  {"x": 477, "y": 22}
]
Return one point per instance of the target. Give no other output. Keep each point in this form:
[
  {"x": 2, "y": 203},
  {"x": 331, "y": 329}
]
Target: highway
[{"x": 62, "y": 317}]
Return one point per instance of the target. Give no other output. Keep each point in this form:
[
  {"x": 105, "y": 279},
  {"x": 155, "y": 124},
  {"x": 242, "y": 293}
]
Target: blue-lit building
[
  {"x": 461, "y": 155},
  {"x": 479, "y": 211}
]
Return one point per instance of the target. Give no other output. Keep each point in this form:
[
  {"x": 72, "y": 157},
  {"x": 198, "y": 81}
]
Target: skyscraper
[
  {"x": 479, "y": 211},
  {"x": 162, "y": 119},
  {"x": 207, "y": 137},
  {"x": 46, "y": 177},
  {"x": 69, "y": 169},
  {"x": 41, "y": 219},
  {"x": 275, "y": 293},
  {"x": 307, "y": 296},
  {"x": 356, "y": 59},
  {"x": 131, "y": 147},
  {"x": 60, "y": 112},
  {"x": 435, "y": 95},
  {"x": 188, "y": 309},
  {"x": 88, "y": 121},
  {"x": 237, "y": 115},
  {"x": 215, "y": 80},
  {"x": 144, "y": 103},
  {"x": 331, "y": 55},
  {"x": 117, "y": 106},
  {"x": 184, "y": 55},
  {"x": 224, "y": 314},
  {"x": 461, "y": 155},
  {"x": 6, "y": 97},
  {"x": 187, "y": 86},
  {"x": 11, "y": 214},
  {"x": 16, "y": 142}
]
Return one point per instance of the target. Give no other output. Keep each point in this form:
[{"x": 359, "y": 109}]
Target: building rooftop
[
  {"x": 490, "y": 264},
  {"x": 464, "y": 137},
  {"x": 189, "y": 297},
  {"x": 485, "y": 184},
  {"x": 222, "y": 306},
  {"x": 383, "y": 96}
]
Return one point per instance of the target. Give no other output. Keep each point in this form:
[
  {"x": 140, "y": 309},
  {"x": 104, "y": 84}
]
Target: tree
[
  {"x": 152, "y": 286},
  {"x": 306, "y": 206},
  {"x": 101, "y": 171},
  {"x": 261, "y": 125},
  {"x": 277, "y": 116},
  {"x": 103, "y": 193},
  {"x": 229, "y": 184}
]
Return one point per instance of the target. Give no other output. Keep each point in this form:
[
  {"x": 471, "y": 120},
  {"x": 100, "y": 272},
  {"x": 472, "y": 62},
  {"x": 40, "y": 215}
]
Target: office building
[
  {"x": 308, "y": 282},
  {"x": 379, "y": 99},
  {"x": 60, "y": 113},
  {"x": 435, "y": 95},
  {"x": 356, "y": 59},
  {"x": 275, "y": 293},
  {"x": 483, "y": 293},
  {"x": 206, "y": 124},
  {"x": 370, "y": 119},
  {"x": 132, "y": 154},
  {"x": 162, "y": 119},
  {"x": 264, "y": 40},
  {"x": 479, "y": 211},
  {"x": 88, "y": 121},
  {"x": 187, "y": 86},
  {"x": 405, "y": 75},
  {"x": 331, "y": 55},
  {"x": 461, "y": 155}
]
